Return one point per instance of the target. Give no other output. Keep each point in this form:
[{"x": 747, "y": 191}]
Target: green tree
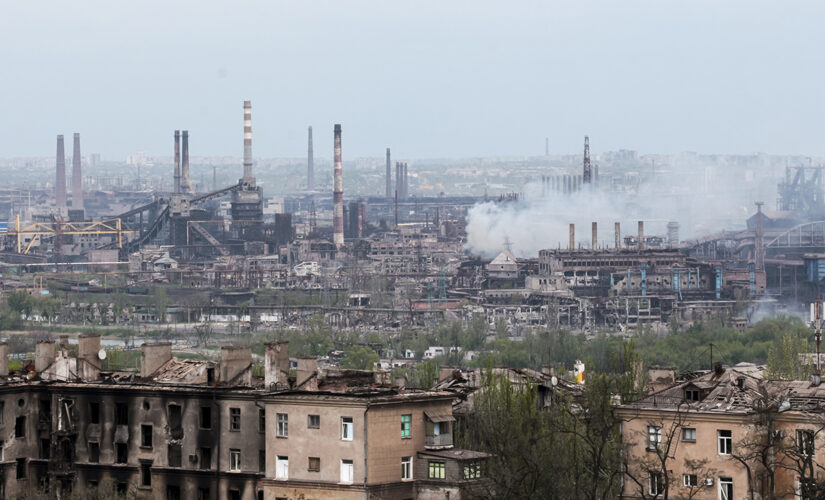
[
  {"x": 359, "y": 358},
  {"x": 161, "y": 302},
  {"x": 783, "y": 359},
  {"x": 21, "y": 303}
]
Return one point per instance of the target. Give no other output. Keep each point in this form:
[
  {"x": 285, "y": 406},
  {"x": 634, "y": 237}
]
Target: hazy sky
[{"x": 428, "y": 78}]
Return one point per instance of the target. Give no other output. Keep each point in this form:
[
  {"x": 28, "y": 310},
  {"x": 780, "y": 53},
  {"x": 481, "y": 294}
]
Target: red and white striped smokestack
[
  {"x": 60, "y": 177},
  {"x": 77, "y": 175},
  {"x": 247, "y": 141},
  {"x": 338, "y": 193},
  {"x": 177, "y": 161}
]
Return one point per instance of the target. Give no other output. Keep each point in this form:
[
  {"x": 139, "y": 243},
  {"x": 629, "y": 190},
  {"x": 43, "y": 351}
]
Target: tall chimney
[
  {"x": 617, "y": 228},
  {"x": 60, "y": 177},
  {"x": 641, "y": 235},
  {"x": 177, "y": 161},
  {"x": 572, "y": 245},
  {"x": 77, "y": 175},
  {"x": 398, "y": 180},
  {"x": 4, "y": 359},
  {"x": 405, "y": 184},
  {"x": 586, "y": 172},
  {"x": 388, "y": 192},
  {"x": 310, "y": 163},
  {"x": 186, "y": 182},
  {"x": 594, "y": 235},
  {"x": 338, "y": 193},
  {"x": 247, "y": 141}
]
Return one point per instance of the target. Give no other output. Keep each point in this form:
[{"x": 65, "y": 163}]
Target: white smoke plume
[{"x": 539, "y": 221}]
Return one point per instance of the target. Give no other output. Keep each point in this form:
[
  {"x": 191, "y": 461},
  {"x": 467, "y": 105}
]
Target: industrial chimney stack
[
  {"x": 77, "y": 175},
  {"x": 247, "y": 143},
  {"x": 310, "y": 163},
  {"x": 338, "y": 193},
  {"x": 389, "y": 175},
  {"x": 186, "y": 182},
  {"x": 586, "y": 171},
  {"x": 177, "y": 162},
  {"x": 60, "y": 177}
]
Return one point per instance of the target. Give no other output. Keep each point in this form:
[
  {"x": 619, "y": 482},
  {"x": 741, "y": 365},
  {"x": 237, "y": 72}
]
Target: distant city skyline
[{"x": 429, "y": 79}]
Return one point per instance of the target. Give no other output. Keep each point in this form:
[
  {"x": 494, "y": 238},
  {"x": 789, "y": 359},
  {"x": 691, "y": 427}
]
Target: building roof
[{"x": 505, "y": 257}]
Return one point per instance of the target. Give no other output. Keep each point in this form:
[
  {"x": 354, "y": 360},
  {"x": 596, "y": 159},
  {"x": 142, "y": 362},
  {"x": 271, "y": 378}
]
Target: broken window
[
  {"x": 205, "y": 458},
  {"x": 235, "y": 460},
  {"x": 234, "y": 419},
  {"x": 234, "y": 495},
  {"x": 203, "y": 494},
  {"x": 654, "y": 437},
  {"x": 21, "y": 468},
  {"x": 94, "y": 412},
  {"x": 174, "y": 455},
  {"x": 173, "y": 492},
  {"x": 206, "y": 417},
  {"x": 472, "y": 470},
  {"x": 693, "y": 395},
  {"x": 261, "y": 420},
  {"x": 805, "y": 442},
  {"x": 314, "y": 422},
  {"x": 94, "y": 452},
  {"x": 45, "y": 414},
  {"x": 175, "y": 421},
  {"x": 45, "y": 447},
  {"x": 346, "y": 428},
  {"x": 145, "y": 474},
  {"x": 146, "y": 436},
  {"x": 655, "y": 485},
  {"x": 283, "y": 425},
  {"x": 20, "y": 427},
  {"x": 261, "y": 460},
  {"x": 121, "y": 414},
  {"x": 121, "y": 453}
]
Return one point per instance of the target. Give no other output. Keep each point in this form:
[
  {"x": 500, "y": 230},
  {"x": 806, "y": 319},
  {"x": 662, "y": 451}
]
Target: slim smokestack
[
  {"x": 406, "y": 183},
  {"x": 60, "y": 177},
  {"x": 594, "y": 235},
  {"x": 546, "y": 146},
  {"x": 641, "y": 235},
  {"x": 247, "y": 141},
  {"x": 617, "y": 229},
  {"x": 388, "y": 192},
  {"x": 572, "y": 245},
  {"x": 77, "y": 175},
  {"x": 310, "y": 163},
  {"x": 186, "y": 182},
  {"x": 398, "y": 181},
  {"x": 177, "y": 161},
  {"x": 338, "y": 193}
]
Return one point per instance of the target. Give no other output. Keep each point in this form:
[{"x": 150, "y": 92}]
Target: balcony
[{"x": 439, "y": 442}]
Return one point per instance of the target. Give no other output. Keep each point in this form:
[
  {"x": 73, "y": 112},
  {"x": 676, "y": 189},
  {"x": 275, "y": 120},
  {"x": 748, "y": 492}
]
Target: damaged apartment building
[{"x": 203, "y": 429}]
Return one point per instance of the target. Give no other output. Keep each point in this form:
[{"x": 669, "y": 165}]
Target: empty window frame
[
  {"x": 261, "y": 420},
  {"x": 206, "y": 417},
  {"x": 20, "y": 427},
  {"x": 146, "y": 435},
  {"x": 314, "y": 422},
  {"x": 146, "y": 474},
  {"x": 235, "y": 460},
  {"x": 121, "y": 414},
  {"x": 94, "y": 452},
  {"x": 655, "y": 485},
  {"x": 234, "y": 419},
  {"x": 205, "y": 458},
  {"x": 94, "y": 412},
  {"x": 174, "y": 455},
  {"x": 121, "y": 453}
]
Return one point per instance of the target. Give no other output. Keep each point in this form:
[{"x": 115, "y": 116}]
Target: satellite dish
[
  {"x": 101, "y": 354},
  {"x": 554, "y": 381}
]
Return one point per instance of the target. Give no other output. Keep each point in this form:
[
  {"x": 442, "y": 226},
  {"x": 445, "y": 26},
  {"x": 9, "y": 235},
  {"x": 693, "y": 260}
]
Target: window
[
  {"x": 806, "y": 488},
  {"x": 261, "y": 460},
  {"x": 172, "y": 492},
  {"x": 283, "y": 425},
  {"x": 406, "y": 425},
  {"x": 2, "y": 411},
  {"x": 346, "y": 428},
  {"x": 146, "y": 436},
  {"x": 94, "y": 452},
  {"x": 693, "y": 395},
  {"x": 347, "y": 469},
  {"x": 21, "y": 468},
  {"x": 654, "y": 437},
  {"x": 174, "y": 455},
  {"x": 146, "y": 474},
  {"x": 20, "y": 427},
  {"x": 45, "y": 447},
  {"x": 235, "y": 460},
  {"x": 234, "y": 494},
  {"x": 120, "y": 453},
  {"x": 94, "y": 412},
  {"x": 690, "y": 480},
  {"x": 281, "y": 467},
  {"x": 206, "y": 417},
  {"x": 314, "y": 422},
  {"x": 406, "y": 468},
  {"x": 472, "y": 470},
  {"x": 205, "y": 458},
  {"x": 175, "y": 421},
  {"x": 435, "y": 469},
  {"x": 121, "y": 414},
  {"x": 805, "y": 442},
  {"x": 688, "y": 434},
  {"x": 234, "y": 419},
  {"x": 314, "y": 464},
  {"x": 655, "y": 485},
  {"x": 203, "y": 494},
  {"x": 261, "y": 420},
  {"x": 725, "y": 442},
  {"x": 725, "y": 488}
]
